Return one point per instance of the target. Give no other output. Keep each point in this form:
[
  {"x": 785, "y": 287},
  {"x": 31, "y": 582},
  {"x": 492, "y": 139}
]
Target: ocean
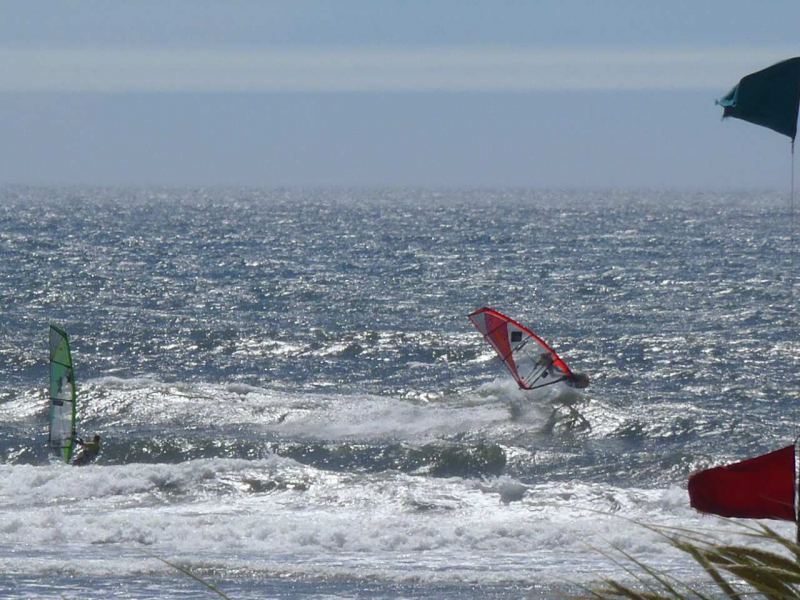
[{"x": 293, "y": 403}]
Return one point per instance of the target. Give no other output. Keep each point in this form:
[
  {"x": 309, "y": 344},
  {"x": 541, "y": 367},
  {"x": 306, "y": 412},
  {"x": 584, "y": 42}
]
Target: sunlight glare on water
[{"x": 293, "y": 402}]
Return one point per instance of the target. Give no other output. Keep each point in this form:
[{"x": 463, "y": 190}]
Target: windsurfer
[
  {"x": 89, "y": 451},
  {"x": 545, "y": 360},
  {"x": 576, "y": 380},
  {"x": 64, "y": 386}
]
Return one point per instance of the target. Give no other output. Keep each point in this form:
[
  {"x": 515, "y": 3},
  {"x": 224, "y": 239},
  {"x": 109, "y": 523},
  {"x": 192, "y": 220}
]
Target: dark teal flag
[{"x": 769, "y": 97}]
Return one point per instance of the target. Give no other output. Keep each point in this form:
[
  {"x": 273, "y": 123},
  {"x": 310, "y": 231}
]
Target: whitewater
[{"x": 293, "y": 403}]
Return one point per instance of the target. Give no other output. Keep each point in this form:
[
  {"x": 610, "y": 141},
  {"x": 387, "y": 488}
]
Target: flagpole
[
  {"x": 797, "y": 490},
  {"x": 791, "y": 309},
  {"x": 791, "y": 346}
]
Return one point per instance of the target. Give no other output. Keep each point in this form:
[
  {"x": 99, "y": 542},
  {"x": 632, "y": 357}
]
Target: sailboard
[
  {"x": 62, "y": 396},
  {"x": 529, "y": 359}
]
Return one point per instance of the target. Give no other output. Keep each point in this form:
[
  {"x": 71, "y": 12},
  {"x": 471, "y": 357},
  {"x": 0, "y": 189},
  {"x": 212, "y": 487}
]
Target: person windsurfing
[
  {"x": 534, "y": 365},
  {"x": 573, "y": 379},
  {"x": 529, "y": 359},
  {"x": 88, "y": 452}
]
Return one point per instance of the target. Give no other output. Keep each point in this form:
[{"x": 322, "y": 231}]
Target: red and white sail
[{"x": 530, "y": 360}]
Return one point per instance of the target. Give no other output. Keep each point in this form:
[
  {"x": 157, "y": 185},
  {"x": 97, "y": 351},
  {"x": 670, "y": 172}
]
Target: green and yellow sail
[{"x": 62, "y": 395}]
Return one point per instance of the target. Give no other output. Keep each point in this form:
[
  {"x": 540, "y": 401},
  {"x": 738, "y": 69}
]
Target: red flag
[{"x": 758, "y": 488}]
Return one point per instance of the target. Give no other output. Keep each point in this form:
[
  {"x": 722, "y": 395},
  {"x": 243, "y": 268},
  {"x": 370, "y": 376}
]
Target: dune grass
[
  {"x": 186, "y": 571},
  {"x": 738, "y": 572}
]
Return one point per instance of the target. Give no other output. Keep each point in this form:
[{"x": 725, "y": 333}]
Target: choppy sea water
[{"x": 294, "y": 404}]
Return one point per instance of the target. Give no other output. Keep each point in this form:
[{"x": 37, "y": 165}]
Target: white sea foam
[
  {"x": 205, "y": 512},
  {"x": 321, "y": 416},
  {"x": 211, "y": 332}
]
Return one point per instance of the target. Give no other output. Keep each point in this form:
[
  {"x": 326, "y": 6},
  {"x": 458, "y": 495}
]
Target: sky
[{"x": 449, "y": 93}]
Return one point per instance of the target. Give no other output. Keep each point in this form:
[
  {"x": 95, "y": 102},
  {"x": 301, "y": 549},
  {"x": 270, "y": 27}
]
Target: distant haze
[{"x": 311, "y": 93}]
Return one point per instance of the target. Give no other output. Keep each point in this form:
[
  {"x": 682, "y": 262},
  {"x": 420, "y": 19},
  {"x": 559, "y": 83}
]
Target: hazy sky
[{"x": 567, "y": 93}]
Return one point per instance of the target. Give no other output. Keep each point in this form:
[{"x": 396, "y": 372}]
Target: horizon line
[{"x": 116, "y": 69}]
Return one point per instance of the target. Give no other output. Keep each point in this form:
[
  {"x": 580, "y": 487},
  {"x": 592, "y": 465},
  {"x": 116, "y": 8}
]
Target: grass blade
[{"x": 189, "y": 573}]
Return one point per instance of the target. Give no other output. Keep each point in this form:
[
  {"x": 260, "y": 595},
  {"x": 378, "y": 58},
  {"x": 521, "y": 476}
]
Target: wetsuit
[{"x": 88, "y": 453}]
